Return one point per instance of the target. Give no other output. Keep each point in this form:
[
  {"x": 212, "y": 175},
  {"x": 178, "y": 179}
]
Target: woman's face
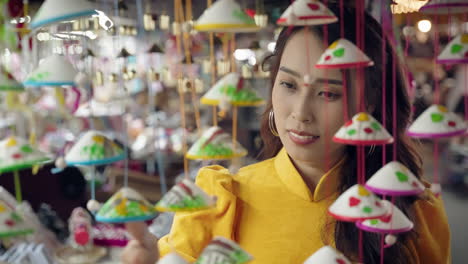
[{"x": 308, "y": 115}]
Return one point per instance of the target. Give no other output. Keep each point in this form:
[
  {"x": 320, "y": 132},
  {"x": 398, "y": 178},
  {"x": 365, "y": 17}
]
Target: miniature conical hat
[
  {"x": 94, "y": 108},
  {"x": 55, "y": 70},
  {"x": 363, "y": 129},
  {"x": 172, "y": 258},
  {"x": 306, "y": 13},
  {"x": 185, "y": 196},
  {"x": 225, "y": 16},
  {"x": 437, "y": 122},
  {"x": 215, "y": 144},
  {"x": 16, "y": 154},
  {"x": 234, "y": 89},
  {"x": 395, "y": 179},
  {"x": 445, "y": 7},
  {"x": 393, "y": 223},
  {"x": 222, "y": 250},
  {"x": 343, "y": 54},
  {"x": 357, "y": 203},
  {"x": 126, "y": 205},
  {"x": 327, "y": 255},
  {"x": 94, "y": 148},
  {"x": 456, "y": 51},
  {"x": 12, "y": 223},
  {"x": 55, "y": 11},
  {"x": 8, "y": 82}
]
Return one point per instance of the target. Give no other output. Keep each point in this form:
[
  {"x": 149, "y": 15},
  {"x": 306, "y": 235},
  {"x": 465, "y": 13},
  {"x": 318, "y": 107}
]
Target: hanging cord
[
  {"x": 213, "y": 69},
  {"x": 436, "y": 179},
  {"x": 187, "y": 44},
  {"x": 384, "y": 109},
  {"x": 361, "y": 104},
  {"x": 177, "y": 8}
]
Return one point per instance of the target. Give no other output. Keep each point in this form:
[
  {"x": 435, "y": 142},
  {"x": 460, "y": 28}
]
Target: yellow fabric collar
[{"x": 289, "y": 175}]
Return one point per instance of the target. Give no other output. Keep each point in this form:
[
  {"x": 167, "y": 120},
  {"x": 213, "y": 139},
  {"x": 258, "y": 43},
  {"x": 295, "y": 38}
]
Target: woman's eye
[
  {"x": 288, "y": 85},
  {"x": 329, "y": 95}
]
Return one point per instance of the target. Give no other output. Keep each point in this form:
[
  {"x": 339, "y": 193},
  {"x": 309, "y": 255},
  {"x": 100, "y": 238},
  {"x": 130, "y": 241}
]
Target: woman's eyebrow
[
  {"x": 318, "y": 80},
  {"x": 292, "y": 72},
  {"x": 329, "y": 81}
]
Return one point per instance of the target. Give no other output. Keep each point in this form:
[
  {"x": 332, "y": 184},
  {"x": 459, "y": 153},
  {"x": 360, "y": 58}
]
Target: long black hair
[{"x": 346, "y": 234}]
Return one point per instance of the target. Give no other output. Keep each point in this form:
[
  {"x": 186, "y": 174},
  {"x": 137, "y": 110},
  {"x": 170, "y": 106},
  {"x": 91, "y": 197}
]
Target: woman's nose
[{"x": 302, "y": 111}]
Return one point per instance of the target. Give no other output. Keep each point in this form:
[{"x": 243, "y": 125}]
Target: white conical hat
[
  {"x": 55, "y": 11},
  {"x": 172, "y": 258},
  {"x": 126, "y": 205},
  {"x": 456, "y": 51},
  {"x": 363, "y": 129},
  {"x": 54, "y": 70},
  {"x": 306, "y": 13},
  {"x": 11, "y": 222},
  {"x": 215, "y": 144},
  {"x": 445, "y": 7},
  {"x": 16, "y": 154},
  {"x": 185, "y": 196},
  {"x": 343, "y": 54},
  {"x": 94, "y": 148},
  {"x": 94, "y": 108},
  {"x": 232, "y": 88},
  {"x": 393, "y": 223},
  {"x": 8, "y": 82},
  {"x": 222, "y": 250},
  {"x": 395, "y": 179},
  {"x": 225, "y": 16},
  {"x": 357, "y": 203},
  {"x": 327, "y": 255},
  {"x": 437, "y": 122}
]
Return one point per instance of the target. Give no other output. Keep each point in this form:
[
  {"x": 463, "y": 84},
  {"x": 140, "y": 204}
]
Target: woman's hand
[{"x": 143, "y": 248}]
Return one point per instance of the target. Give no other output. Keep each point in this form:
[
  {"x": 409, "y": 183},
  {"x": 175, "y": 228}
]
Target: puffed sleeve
[
  {"x": 192, "y": 231},
  {"x": 432, "y": 242}
]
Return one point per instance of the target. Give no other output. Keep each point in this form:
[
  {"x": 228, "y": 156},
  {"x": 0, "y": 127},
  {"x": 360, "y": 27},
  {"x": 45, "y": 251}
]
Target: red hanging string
[
  {"x": 384, "y": 82},
  {"x": 382, "y": 240},
  {"x": 361, "y": 248},
  {"x": 436, "y": 161},
  {"x": 343, "y": 72},
  {"x": 466, "y": 92},
  {"x": 342, "y": 32},
  {"x": 394, "y": 106},
  {"x": 465, "y": 18},
  {"x": 360, "y": 83},
  {"x": 436, "y": 52},
  {"x": 327, "y": 144}
]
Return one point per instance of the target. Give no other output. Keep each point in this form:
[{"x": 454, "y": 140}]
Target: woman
[{"x": 277, "y": 209}]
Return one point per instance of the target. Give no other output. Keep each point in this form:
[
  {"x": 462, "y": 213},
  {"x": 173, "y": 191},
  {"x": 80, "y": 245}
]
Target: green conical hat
[
  {"x": 18, "y": 154},
  {"x": 127, "y": 205}
]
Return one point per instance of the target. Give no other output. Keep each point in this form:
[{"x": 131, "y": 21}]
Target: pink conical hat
[
  {"x": 393, "y": 223},
  {"x": 395, "y": 179},
  {"x": 437, "y": 122},
  {"x": 327, "y": 255},
  {"x": 355, "y": 204},
  {"x": 363, "y": 129},
  {"x": 306, "y": 13},
  {"x": 445, "y": 7},
  {"x": 343, "y": 54},
  {"x": 456, "y": 51}
]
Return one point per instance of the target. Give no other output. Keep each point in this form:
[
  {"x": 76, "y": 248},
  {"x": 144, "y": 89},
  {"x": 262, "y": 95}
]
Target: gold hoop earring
[{"x": 271, "y": 124}]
